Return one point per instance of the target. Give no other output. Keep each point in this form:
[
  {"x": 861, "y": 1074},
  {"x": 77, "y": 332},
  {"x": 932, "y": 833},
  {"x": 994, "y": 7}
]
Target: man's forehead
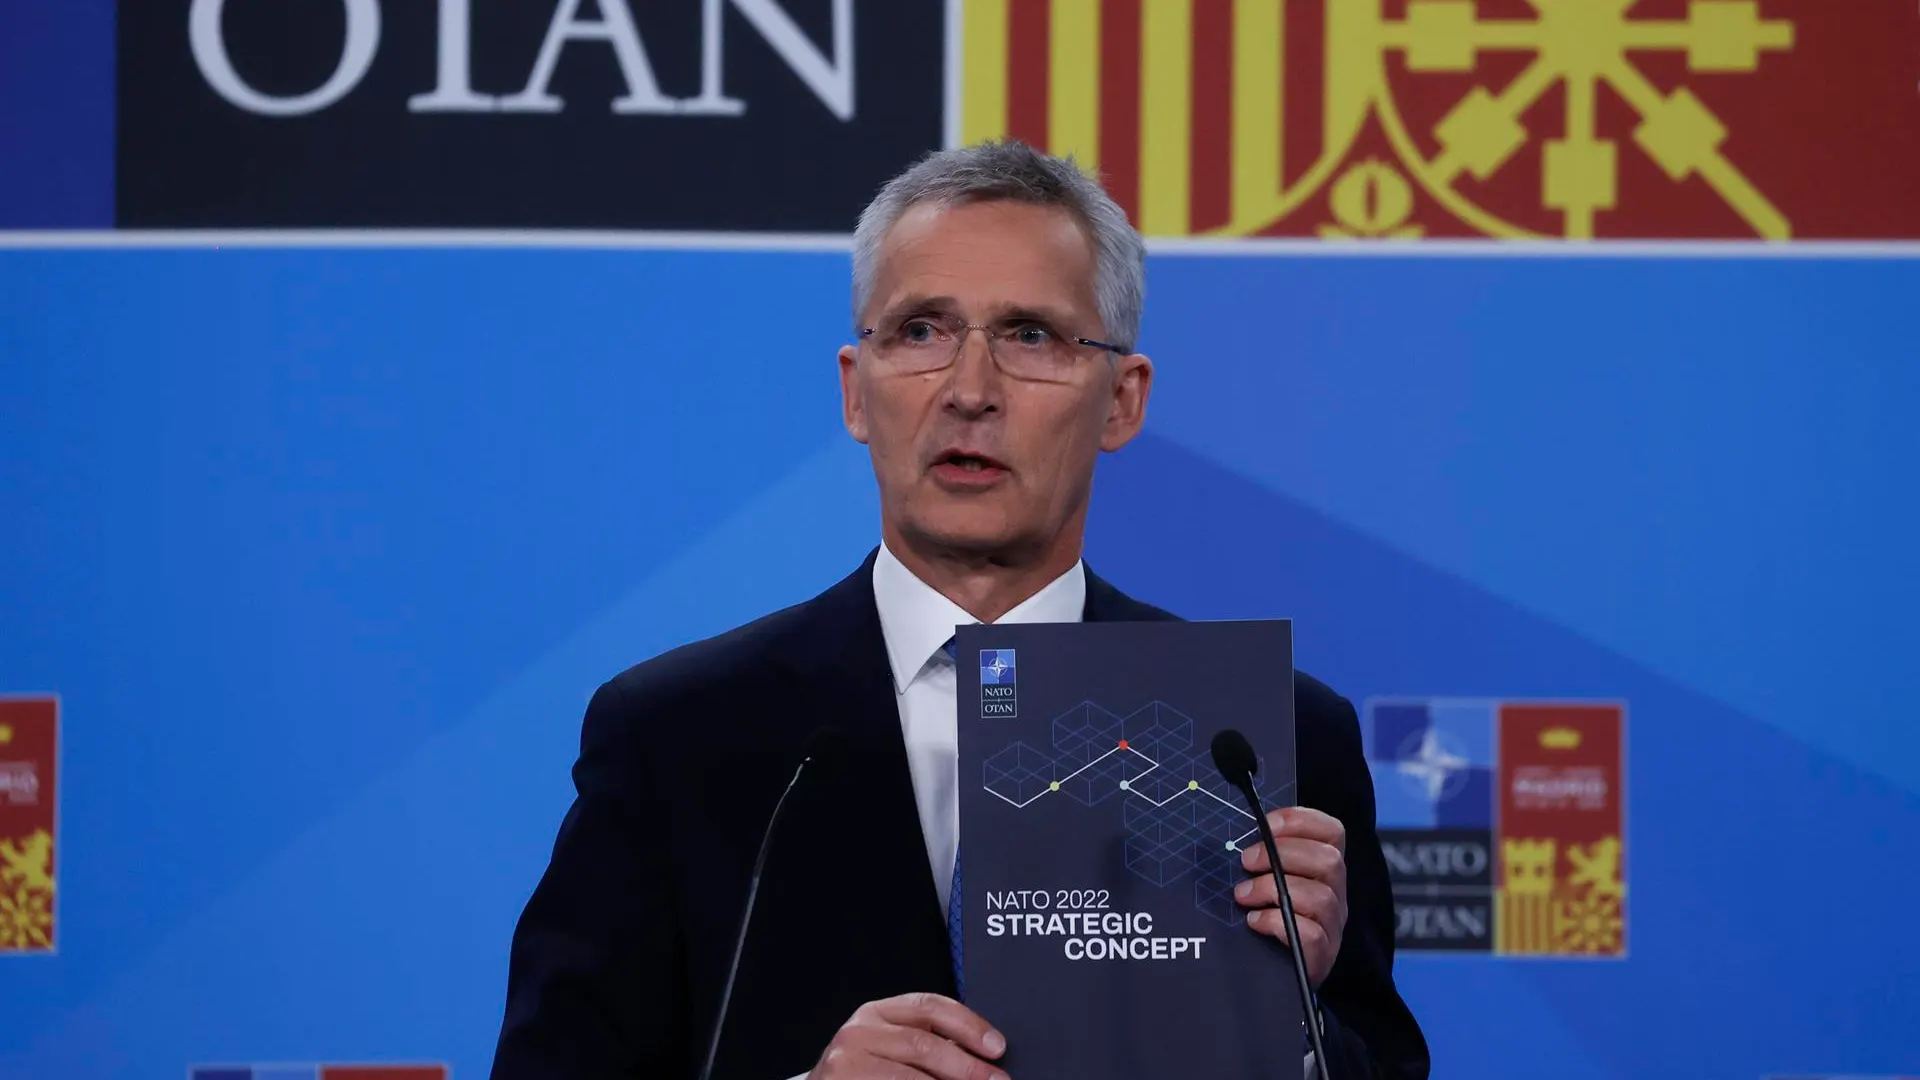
[
  {"x": 1052, "y": 228},
  {"x": 1001, "y": 254}
]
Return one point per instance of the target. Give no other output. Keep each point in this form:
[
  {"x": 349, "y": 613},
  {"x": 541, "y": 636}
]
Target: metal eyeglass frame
[{"x": 960, "y": 342}]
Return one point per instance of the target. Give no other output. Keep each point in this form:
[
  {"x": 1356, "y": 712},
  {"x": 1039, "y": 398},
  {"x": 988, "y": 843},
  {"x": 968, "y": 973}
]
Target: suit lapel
[
  {"x": 846, "y": 912},
  {"x": 839, "y": 673}
]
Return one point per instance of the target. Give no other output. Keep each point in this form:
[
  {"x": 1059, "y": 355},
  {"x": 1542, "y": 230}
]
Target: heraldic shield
[{"x": 1760, "y": 120}]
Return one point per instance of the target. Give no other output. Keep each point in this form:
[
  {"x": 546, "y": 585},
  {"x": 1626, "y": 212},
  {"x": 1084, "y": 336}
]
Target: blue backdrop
[{"x": 325, "y": 549}]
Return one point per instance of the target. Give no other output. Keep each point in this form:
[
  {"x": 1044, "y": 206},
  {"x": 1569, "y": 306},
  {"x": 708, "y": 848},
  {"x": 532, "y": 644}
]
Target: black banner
[
  {"x": 1442, "y": 888},
  {"x": 755, "y": 115}
]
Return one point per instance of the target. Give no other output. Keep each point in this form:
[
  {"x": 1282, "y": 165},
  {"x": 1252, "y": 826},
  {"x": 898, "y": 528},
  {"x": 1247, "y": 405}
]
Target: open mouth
[
  {"x": 969, "y": 462},
  {"x": 960, "y": 465}
]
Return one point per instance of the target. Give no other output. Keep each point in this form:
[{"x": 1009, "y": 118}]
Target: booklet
[{"x": 1100, "y": 847}]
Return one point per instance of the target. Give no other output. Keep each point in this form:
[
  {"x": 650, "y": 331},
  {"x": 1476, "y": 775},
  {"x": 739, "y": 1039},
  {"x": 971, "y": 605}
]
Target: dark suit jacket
[{"x": 618, "y": 960}]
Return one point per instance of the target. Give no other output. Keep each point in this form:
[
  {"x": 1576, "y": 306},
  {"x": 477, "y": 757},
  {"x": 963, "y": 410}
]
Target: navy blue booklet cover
[{"x": 1099, "y": 847}]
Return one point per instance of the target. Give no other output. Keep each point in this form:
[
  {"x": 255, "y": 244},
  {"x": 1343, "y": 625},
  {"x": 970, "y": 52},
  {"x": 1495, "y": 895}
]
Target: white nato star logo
[
  {"x": 1433, "y": 768},
  {"x": 997, "y": 667}
]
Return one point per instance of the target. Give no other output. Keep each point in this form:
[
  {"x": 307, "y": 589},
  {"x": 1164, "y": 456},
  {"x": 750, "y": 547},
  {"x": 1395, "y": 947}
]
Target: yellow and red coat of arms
[{"x": 1512, "y": 119}]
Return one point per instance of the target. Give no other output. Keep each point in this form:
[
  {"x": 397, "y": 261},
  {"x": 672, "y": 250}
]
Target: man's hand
[
  {"x": 1313, "y": 849},
  {"x": 914, "y": 1035}
]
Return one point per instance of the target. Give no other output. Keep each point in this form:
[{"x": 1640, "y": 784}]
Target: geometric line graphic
[{"x": 1180, "y": 817}]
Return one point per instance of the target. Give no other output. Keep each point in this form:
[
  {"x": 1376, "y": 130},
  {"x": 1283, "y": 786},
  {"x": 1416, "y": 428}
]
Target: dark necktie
[
  {"x": 953, "y": 901},
  {"x": 953, "y": 931}
]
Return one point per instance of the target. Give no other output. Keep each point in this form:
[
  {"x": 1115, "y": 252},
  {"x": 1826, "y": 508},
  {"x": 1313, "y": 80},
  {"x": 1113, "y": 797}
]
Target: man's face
[{"x": 970, "y": 459}]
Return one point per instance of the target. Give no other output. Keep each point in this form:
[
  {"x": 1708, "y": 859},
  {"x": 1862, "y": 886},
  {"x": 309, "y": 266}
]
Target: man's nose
[{"x": 974, "y": 385}]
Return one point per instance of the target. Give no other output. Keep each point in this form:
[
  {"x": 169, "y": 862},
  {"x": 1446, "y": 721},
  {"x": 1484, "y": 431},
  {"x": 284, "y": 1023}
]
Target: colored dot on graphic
[
  {"x": 1230, "y": 846},
  {"x": 1123, "y": 744},
  {"x": 1055, "y": 786},
  {"x": 1193, "y": 785},
  {"x": 1126, "y": 785}
]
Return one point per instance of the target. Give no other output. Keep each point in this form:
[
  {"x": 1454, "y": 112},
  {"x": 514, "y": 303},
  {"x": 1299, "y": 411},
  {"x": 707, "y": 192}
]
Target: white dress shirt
[{"x": 917, "y": 621}]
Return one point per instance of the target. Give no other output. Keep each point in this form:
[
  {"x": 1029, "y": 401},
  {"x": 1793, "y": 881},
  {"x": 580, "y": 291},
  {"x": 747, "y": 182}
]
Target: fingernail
[
  {"x": 996, "y": 1043},
  {"x": 1243, "y": 890},
  {"x": 1253, "y": 918}
]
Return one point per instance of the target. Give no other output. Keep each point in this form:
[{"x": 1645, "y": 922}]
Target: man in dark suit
[{"x": 983, "y": 446}]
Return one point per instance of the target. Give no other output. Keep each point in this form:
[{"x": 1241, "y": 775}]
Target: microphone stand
[
  {"x": 746, "y": 918},
  {"x": 1308, "y": 1002}
]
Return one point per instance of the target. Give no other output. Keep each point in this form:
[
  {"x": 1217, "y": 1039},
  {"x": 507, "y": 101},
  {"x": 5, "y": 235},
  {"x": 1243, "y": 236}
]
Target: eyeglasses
[{"x": 1023, "y": 348}]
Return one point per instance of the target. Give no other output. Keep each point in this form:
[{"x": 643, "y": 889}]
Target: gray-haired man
[{"x": 997, "y": 299}]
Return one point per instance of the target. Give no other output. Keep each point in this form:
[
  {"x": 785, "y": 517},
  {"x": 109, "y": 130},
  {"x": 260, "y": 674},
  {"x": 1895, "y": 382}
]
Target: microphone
[
  {"x": 821, "y": 743},
  {"x": 1233, "y": 756}
]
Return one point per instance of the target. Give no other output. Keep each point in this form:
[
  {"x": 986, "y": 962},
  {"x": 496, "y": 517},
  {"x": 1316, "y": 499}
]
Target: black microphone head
[
  {"x": 1233, "y": 756},
  {"x": 824, "y": 742}
]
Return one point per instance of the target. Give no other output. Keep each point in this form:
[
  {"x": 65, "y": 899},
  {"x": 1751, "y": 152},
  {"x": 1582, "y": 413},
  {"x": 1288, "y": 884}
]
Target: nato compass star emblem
[
  {"x": 1433, "y": 768},
  {"x": 997, "y": 666},
  {"x": 997, "y": 695}
]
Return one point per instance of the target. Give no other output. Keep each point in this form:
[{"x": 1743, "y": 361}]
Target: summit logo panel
[
  {"x": 1503, "y": 824},
  {"x": 29, "y": 824},
  {"x": 1336, "y": 120}
]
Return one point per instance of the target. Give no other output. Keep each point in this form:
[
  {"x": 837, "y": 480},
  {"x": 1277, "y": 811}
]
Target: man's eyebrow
[
  {"x": 920, "y": 303},
  {"x": 1030, "y": 313},
  {"x": 1005, "y": 313}
]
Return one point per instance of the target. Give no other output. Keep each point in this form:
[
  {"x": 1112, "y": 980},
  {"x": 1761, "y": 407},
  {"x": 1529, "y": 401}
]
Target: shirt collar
[{"x": 917, "y": 620}]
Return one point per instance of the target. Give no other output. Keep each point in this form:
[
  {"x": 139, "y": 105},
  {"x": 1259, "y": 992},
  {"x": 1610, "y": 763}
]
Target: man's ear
[
  {"x": 1127, "y": 410},
  {"x": 853, "y": 407}
]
